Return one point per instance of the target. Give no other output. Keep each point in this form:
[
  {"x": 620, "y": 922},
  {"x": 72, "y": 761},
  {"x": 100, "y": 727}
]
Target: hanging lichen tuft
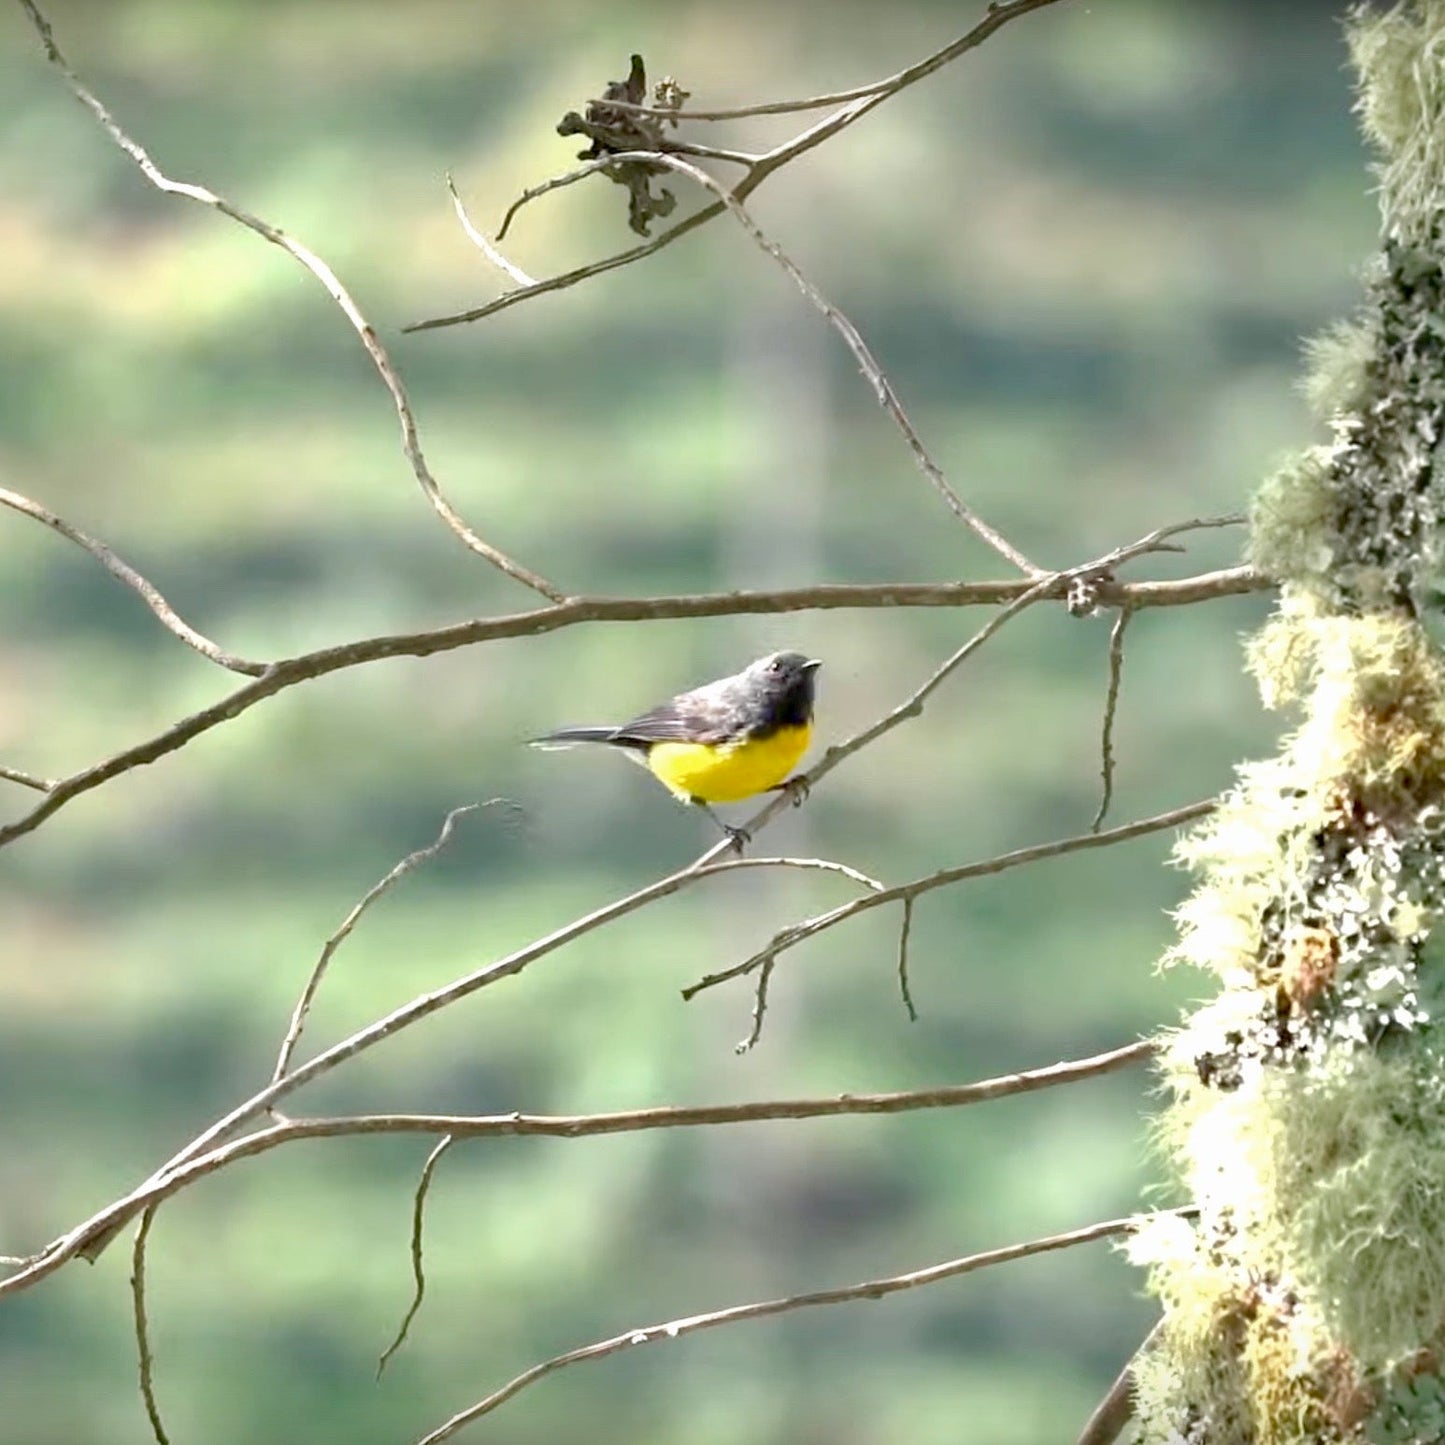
[{"x": 1306, "y": 1113}]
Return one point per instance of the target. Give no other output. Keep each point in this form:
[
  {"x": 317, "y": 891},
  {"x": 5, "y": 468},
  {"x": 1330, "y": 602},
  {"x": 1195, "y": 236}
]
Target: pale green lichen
[
  {"x": 1306, "y": 1303},
  {"x": 1359, "y": 1182},
  {"x": 1399, "y": 56},
  {"x": 1337, "y": 366},
  {"x": 1291, "y": 521}
]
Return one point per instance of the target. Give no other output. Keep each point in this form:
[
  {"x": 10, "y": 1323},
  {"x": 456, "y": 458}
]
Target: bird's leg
[
  {"x": 797, "y": 789},
  {"x": 739, "y": 837}
]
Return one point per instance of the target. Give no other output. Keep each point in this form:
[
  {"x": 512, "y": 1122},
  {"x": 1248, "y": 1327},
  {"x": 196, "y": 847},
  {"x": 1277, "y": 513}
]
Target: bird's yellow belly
[{"x": 728, "y": 774}]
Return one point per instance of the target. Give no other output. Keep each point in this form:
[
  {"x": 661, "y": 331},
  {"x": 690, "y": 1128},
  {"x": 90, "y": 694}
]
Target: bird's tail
[{"x": 570, "y": 737}]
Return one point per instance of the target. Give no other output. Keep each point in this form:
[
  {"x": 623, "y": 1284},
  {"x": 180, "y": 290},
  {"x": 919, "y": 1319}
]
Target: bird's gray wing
[{"x": 705, "y": 715}]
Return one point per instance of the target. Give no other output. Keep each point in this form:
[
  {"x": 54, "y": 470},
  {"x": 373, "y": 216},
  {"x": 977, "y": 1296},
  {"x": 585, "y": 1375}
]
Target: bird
[{"x": 722, "y": 742}]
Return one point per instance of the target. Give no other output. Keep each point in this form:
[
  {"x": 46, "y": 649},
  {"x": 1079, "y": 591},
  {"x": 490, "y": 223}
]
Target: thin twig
[
  {"x": 152, "y": 598},
  {"x": 912, "y": 706},
  {"x": 556, "y": 183},
  {"x": 605, "y": 163},
  {"x": 1111, "y": 705},
  {"x": 205, "y": 1156},
  {"x": 380, "y": 358},
  {"x": 1228, "y": 582},
  {"x": 867, "y": 363},
  {"x": 26, "y": 780},
  {"x": 889, "y": 85},
  {"x": 760, "y": 1008},
  {"x": 568, "y": 279},
  {"x": 869, "y": 1290},
  {"x": 904, "y": 929},
  {"x": 1116, "y": 1409},
  {"x": 418, "y": 1272},
  {"x": 480, "y": 241},
  {"x": 142, "y": 1326},
  {"x": 674, "y": 147},
  {"x": 412, "y": 860},
  {"x": 825, "y": 865},
  {"x": 1096, "y": 578},
  {"x": 419, "y": 1008},
  {"x": 795, "y": 933},
  {"x": 996, "y": 16}
]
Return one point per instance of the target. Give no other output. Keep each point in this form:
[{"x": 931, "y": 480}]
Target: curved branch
[
  {"x": 906, "y": 892},
  {"x": 418, "y": 1258},
  {"x": 380, "y": 359},
  {"x": 197, "y": 1162},
  {"x": 1111, "y": 707},
  {"x": 883, "y": 390},
  {"x": 27, "y": 780},
  {"x": 567, "y": 279},
  {"x": 152, "y": 598},
  {"x": 870, "y": 1290},
  {"x": 308, "y": 993},
  {"x": 995, "y": 17},
  {"x": 998, "y": 15},
  {"x": 145, "y": 1360},
  {"x": 480, "y": 241},
  {"x": 1229, "y": 582},
  {"x": 1092, "y": 583}
]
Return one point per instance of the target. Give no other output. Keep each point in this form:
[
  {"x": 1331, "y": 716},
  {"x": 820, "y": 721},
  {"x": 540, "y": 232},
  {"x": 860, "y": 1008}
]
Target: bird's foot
[
  {"x": 797, "y": 789},
  {"x": 738, "y": 837}
]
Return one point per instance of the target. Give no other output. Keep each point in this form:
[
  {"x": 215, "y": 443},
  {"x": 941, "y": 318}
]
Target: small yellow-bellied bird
[{"x": 724, "y": 741}]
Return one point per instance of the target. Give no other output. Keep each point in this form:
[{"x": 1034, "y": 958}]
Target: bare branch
[
  {"x": 913, "y": 706},
  {"x": 890, "y": 85},
  {"x": 418, "y": 1272},
  {"x": 482, "y": 244},
  {"x": 882, "y": 388},
  {"x": 571, "y": 278},
  {"x": 810, "y": 927},
  {"x": 869, "y": 1290},
  {"x": 1111, "y": 706},
  {"x": 100, "y": 1231},
  {"x": 904, "y": 930},
  {"x": 605, "y": 163},
  {"x": 995, "y": 17},
  {"x": 26, "y": 780},
  {"x": 380, "y": 358},
  {"x": 826, "y": 865},
  {"x": 412, "y": 860},
  {"x": 142, "y": 1326},
  {"x": 556, "y": 183},
  {"x": 163, "y": 610},
  {"x": 1096, "y": 577},
  {"x": 204, "y": 1156},
  {"x": 1229, "y": 582},
  {"x": 760, "y": 1008}
]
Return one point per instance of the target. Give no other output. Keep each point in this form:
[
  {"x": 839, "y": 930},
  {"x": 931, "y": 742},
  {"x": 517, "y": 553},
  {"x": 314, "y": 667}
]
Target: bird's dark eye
[{"x": 775, "y": 666}]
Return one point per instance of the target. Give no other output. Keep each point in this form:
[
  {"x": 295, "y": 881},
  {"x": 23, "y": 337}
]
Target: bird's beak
[{"x": 812, "y": 664}]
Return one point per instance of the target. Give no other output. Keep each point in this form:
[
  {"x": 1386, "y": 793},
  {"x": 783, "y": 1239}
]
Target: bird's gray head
[
  {"x": 786, "y": 681},
  {"x": 785, "y": 666}
]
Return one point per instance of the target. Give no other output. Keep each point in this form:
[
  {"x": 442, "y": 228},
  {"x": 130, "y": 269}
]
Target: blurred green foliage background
[{"x": 1085, "y": 253}]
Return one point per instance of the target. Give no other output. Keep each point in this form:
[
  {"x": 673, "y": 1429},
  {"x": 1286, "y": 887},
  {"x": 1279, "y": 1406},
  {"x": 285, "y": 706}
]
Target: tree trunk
[{"x": 1307, "y": 1114}]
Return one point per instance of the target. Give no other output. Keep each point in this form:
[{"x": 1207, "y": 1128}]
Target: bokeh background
[{"x": 1086, "y": 254}]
